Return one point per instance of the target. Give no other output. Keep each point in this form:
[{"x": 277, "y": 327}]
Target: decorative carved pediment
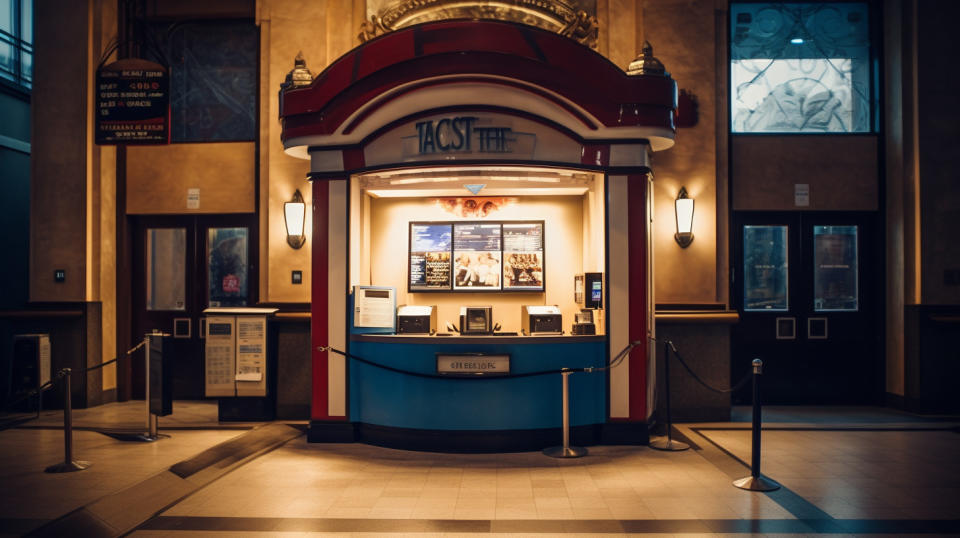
[{"x": 575, "y": 19}]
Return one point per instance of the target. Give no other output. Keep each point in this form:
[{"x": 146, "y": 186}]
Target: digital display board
[
  {"x": 477, "y": 250},
  {"x": 476, "y": 256},
  {"x": 430, "y": 250},
  {"x": 523, "y": 256}
]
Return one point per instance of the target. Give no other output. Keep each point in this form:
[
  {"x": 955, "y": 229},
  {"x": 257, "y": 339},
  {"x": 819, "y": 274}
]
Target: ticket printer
[
  {"x": 416, "y": 319},
  {"x": 541, "y": 319}
]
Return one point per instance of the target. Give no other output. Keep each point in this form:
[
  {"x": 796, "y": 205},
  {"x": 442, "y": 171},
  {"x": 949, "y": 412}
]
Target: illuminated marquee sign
[
  {"x": 476, "y": 136},
  {"x": 462, "y": 134}
]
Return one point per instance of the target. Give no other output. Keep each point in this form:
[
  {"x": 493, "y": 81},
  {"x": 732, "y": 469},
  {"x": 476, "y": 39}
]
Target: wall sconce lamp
[
  {"x": 293, "y": 216},
  {"x": 684, "y": 211}
]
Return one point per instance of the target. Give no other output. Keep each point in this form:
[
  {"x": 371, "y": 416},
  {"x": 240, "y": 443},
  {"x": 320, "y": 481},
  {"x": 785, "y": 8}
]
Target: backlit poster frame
[
  {"x": 425, "y": 287},
  {"x": 477, "y": 267},
  {"x": 481, "y": 259},
  {"x": 531, "y": 261}
]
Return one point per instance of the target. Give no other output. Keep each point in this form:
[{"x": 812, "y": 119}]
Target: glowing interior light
[
  {"x": 797, "y": 41},
  {"x": 684, "y": 208}
]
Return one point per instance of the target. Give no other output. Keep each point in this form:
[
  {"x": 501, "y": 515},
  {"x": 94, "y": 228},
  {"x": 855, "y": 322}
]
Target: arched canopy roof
[{"x": 476, "y": 63}]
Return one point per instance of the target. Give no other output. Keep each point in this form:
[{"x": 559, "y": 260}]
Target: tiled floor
[
  {"x": 837, "y": 481},
  {"x": 861, "y": 474},
  {"x": 30, "y": 493},
  {"x": 360, "y": 481},
  {"x": 131, "y": 416}
]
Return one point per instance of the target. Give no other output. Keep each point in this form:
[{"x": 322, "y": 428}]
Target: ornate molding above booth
[
  {"x": 576, "y": 19},
  {"x": 478, "y": 90}
]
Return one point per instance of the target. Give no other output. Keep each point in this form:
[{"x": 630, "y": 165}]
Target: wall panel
[{"x": 158, "y": 178}]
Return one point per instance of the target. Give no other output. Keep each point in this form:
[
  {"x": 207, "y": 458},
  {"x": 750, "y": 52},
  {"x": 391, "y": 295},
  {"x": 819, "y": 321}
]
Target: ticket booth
[{"x": 481, "y": 208}]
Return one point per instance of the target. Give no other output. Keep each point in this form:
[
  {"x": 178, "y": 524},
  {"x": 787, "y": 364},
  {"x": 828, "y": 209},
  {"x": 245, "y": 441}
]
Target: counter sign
[
  {"x": 132, "y": 103},
  {"x": 473, "y": 364}
]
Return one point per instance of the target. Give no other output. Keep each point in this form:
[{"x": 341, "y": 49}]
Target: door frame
[
  {"x": 800, "y": 285},
  {"x": 197, "y": 276}
]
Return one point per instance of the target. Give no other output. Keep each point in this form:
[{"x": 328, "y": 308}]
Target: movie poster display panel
[
  {"x": 477, "y": 250},
  {"x": 523, "y": 256},
  {"x": 430, "y": 256}
]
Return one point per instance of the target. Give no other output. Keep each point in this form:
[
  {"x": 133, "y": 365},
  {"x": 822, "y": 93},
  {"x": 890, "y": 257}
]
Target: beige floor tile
[
  {"x": 355, "y": 502},
  {"x": 671, "y": 508},
  {"x": 476, "y": 504},
  {"x": 592, "y": 513},
  {"x": 439, "y": 504},
  {"x": 347, "y": 512},
  {"x": 395, "y": 503},
  {"x": 555, "y": 513},
  {"x": 541, "y": 493},
  {"x": 525, "y": 504},
  {"x": 588, "y": 502},
  {"x": 440, "y": 492},
  {"x": 431, "y": 513},
  {"x": 618, "y": 493},
  {"x": 402, "y": 492},
  {"x": 551, "y": 502},
  {"x": 474, "y": 513},
  {"x": 515, "y": 513},
  {"x": 515, "y": 493},
  {"x": 390, "y": 513}
]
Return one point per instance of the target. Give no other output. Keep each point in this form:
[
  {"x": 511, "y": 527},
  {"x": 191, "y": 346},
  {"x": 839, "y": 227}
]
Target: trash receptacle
[{"x": 29, "y": 370}]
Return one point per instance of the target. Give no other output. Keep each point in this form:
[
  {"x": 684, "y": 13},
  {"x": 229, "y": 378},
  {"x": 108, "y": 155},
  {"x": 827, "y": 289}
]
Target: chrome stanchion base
[
  {"x": 64, "y": 467},
  {"x": 565, "y": 451},
  {"x": 664, "y": 443},
  {"x": 759, "y": 483}
]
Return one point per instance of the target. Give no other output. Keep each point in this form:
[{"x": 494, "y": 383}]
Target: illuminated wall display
[{"x": 476, "y": 256}]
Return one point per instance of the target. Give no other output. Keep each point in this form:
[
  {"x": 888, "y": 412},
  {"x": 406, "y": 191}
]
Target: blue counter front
[{"x": 515, "y": 412}]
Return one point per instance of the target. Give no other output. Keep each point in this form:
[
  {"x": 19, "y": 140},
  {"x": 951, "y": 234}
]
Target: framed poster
[
  {"x": 477, "y": 256},
  {"x": 523, "y": 256},
  {"x": 430, "y": 257}
]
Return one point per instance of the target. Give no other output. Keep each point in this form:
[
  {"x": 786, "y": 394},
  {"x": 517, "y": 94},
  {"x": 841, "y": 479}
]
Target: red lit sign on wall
[{"x": 231, "y": 284}]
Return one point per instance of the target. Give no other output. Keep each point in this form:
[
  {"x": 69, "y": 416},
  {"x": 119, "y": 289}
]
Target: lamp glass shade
[
  {"x": 684, "y": 208},
  {"x": 293, "y": 213}
]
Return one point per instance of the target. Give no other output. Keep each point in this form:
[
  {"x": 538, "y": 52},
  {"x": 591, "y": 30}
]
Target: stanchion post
[
  {"x": 68, "y": 464},
  {"x": 565, "y": 451},
  {"x": 756, "y": 482},
  {"x": 146, "y": 385},
  {"x": 668, "y": 443}
]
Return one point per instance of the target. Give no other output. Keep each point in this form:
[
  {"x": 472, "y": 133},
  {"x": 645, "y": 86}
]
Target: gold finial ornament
[
  {"x": 646, "y": 63},
  {"x": 299, "y": 76},
  {"x": 575, "y": 19}
]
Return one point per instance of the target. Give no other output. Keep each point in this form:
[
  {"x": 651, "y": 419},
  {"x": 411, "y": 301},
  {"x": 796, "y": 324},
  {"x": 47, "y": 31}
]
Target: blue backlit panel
[{"x": 800, "y": 68}]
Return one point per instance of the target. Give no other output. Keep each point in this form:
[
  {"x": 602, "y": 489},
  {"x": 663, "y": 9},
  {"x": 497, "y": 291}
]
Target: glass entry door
[
  {"x": 806, "y": 285},
  {"x": 181, "y": 266}
]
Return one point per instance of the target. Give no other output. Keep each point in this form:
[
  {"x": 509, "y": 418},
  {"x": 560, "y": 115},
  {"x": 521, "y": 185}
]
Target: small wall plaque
[{"x": 473, "y": 365}]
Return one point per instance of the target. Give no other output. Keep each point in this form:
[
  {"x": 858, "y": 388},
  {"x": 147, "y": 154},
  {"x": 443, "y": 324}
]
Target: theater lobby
[{"x": 479, "y": 267}]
